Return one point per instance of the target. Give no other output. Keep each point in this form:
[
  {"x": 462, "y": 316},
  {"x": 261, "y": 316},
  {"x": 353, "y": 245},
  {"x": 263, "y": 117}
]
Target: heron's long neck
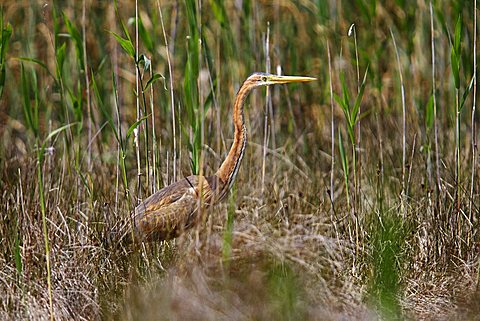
[{"x": 229, "y": 168}]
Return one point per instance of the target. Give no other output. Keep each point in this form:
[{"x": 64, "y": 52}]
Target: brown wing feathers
[{"x": 166, "y": 213}]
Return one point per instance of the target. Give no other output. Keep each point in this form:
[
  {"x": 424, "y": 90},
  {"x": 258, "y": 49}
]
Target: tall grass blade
[
  {"x": 153, "y": 79},
  {"x": 387, "y": 247},
  {"x": 172, "y": 98},
  {"x": 134, "y": 126},
  {"x": 43, "y": 207},
  {"x": 145, "y": 36},
  {"x": 358, "y": 100},
  {"x": 229, "y": 221},
  {"x": 6, "y": 33},
  {"x": 434, "y": 90},
  {"x": 429, "y": 114},
  {"x": 344, "y": 160},
  {"x": 126, "y": 44},
  {"x": 28, "y": 110},
  {"x": 77, "y": 40},
  {"x": 473, "y": 124},
  {"x": 192, "y": 102}
]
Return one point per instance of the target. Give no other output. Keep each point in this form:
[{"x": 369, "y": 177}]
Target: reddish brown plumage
[
  {"x": 165, "y": 214},
  {"x": 168, "y": 212}
]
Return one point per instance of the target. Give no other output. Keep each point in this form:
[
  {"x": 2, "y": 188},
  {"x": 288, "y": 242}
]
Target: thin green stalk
[
  {"x": 87, "y": 86},
  {"x": 358, "y": 139},
  {"x": 404, "y": 127},
  {"x": 40, "y": 153},
  {"x": 345, "y": 166},
  {"x": 136, "y": 132},
  {"x": 455, "y": 57},
  {"x": 473, "y": 124},
  {"x": 191, "y": 90},
  {"x": 60, "y": 54},
  {"x": 31, "y": 112},
  {"x": 228, "y": 233},
  {"x": 355, "y": 201},
  {"x": 172, "y": 98},
  {"x": 332, "y": 169},
  {"x": 154, "y": 139},
  {"x": 122, "y": 152},
  {"x": 435, "y": 121},
  {"x": 457, "y": 152},
  {"x": 5, "y": 34},
  {"x": 354, "y": 168},
  {"x": 267, "y": 99},
  {"x": 144, "y": 101}
]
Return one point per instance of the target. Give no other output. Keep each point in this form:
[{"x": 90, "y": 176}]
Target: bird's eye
[{"x": 264, "y": 79}]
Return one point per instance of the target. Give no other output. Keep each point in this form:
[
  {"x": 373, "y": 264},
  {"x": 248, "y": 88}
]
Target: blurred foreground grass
[{"x": 360, "y": 202}]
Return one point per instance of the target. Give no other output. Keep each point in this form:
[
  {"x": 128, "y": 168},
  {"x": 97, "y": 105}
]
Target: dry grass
[{"x": 293, "y": 254}]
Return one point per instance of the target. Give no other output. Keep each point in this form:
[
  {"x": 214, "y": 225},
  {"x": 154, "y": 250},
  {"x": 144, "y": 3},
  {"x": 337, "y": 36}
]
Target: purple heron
[{"x": 173, "y": 209}]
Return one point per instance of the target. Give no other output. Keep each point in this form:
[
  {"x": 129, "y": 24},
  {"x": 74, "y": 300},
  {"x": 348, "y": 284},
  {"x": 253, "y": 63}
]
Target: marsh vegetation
[{"x": 358, "y": 196}]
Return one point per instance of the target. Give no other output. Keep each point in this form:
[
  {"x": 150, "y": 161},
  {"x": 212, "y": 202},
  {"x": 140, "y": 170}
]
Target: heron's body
[{"x": 165, "y": 214}]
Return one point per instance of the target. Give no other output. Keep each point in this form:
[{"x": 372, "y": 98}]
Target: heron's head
[{"x": 263, "y": 79}]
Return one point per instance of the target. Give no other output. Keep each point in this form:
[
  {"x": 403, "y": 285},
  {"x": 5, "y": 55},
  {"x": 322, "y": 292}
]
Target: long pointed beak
[{"x": 272, "y": 79}]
